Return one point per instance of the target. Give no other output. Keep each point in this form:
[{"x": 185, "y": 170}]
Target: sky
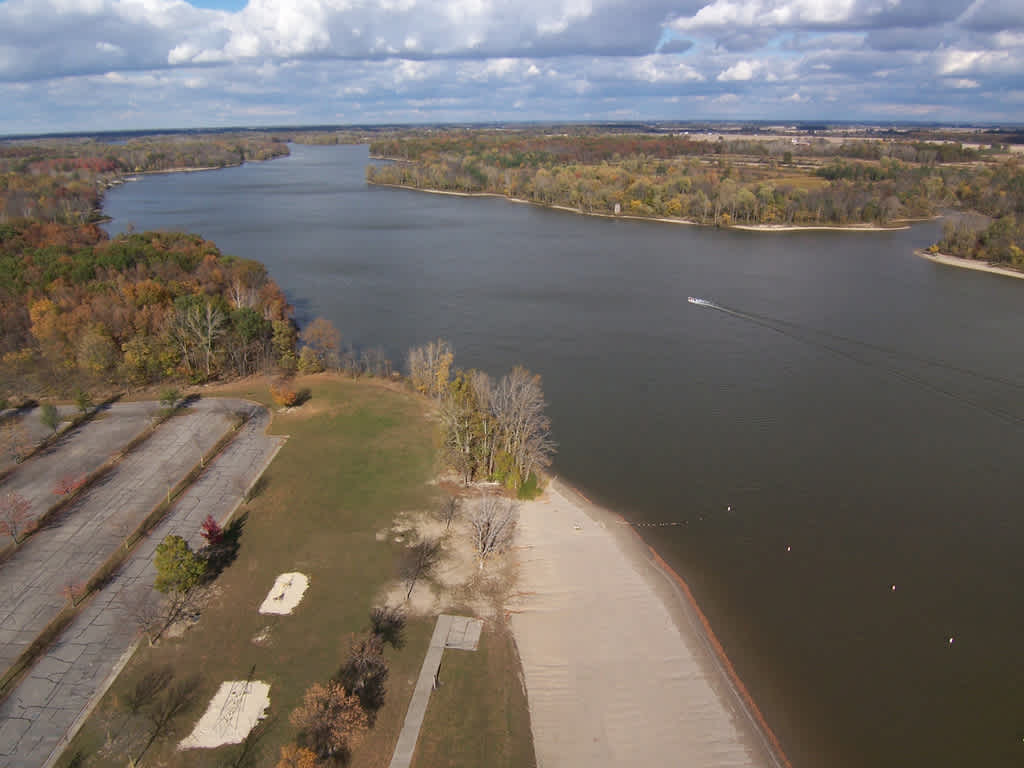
[{"x": 92, "y": 65}]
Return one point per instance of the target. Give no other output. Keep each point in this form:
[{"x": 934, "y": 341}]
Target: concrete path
[
  {"x": 45, "y": 710},
  {"x": 459, "y": 632},
  {"x": 69, "y": 551}
]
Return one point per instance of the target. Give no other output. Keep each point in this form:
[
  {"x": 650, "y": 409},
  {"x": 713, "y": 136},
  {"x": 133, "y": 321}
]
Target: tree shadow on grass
[
  {"x": 222, "y": 554},
  {"x": 249, "y": 753}
]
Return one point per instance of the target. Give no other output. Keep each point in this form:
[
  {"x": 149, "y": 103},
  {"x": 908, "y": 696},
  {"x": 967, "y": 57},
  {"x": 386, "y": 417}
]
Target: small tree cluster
[
  {"x": 492, "y": 429},
  {"x": 430, "y": 367}
]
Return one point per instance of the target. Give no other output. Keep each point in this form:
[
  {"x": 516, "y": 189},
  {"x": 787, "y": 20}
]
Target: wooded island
[{"x": 759, "y": 181}]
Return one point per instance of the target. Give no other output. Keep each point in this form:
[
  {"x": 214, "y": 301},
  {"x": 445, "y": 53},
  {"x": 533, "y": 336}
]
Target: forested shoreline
[
  {"x": 62, "y": 180},
  {"x": 82, "y": 312},
  {"x": 750, "y": 182}
]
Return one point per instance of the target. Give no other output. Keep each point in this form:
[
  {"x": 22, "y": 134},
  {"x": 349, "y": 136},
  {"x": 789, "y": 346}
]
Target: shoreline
[
  {"x": 977, "y": 266},
  {"x": 190, "y": 169},
  {"x": 687, "y": 222},
  {"x": 683, "y": 698}
]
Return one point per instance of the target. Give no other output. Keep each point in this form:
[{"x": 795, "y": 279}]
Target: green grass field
[
  {"x": 357, "y": 454},
  {"x": 477, "y": 717}
]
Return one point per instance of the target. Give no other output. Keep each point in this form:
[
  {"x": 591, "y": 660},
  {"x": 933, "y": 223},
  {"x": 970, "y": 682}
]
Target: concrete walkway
[
  {"x": 71, "y": 549},
  {"x": 44, "y": 711},
  {"x": 459, "y": 632}
]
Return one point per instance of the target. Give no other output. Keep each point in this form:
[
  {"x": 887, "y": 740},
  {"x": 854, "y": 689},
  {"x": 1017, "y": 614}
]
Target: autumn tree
[
  {"x": 68, "y": 484},
  {"x": 211, "y": 531},
  {"x": 283, "y": 393},
  {"x": 493, "y": 524},
  {"x": 323, "y": 341},
  {"x": 333, "y": 721},
  {"x": 15, "y": 519},
  {"x": 430, "y": 366},
  {"x": 294, "y": 756}
]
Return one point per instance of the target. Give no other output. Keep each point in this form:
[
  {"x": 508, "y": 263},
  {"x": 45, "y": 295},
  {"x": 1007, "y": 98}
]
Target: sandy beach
[
  {"x": 618, "y": 665},
  {"x": 979, "y": 266}
]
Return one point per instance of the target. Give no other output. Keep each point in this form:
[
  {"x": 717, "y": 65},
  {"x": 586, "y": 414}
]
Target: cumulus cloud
[
  {"x": 741, "y": 70},
  {"x": 555, "y": 59}
]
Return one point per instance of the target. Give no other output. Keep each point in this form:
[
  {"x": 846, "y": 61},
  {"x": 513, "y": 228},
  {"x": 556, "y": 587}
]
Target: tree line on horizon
[{"x": 63, "y": 180}]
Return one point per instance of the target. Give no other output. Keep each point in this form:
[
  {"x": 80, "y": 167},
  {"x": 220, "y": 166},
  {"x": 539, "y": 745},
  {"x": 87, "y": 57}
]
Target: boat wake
[
  {"x": 900, "y": 364},
  {"x": 702, "y": 302}
]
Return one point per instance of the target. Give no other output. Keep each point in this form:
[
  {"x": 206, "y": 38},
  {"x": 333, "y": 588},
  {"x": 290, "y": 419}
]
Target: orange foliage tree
[{"x": 333, "y": 721}]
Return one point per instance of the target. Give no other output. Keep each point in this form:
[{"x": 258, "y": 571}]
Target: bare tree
[
  {"x": 493, "y": 521},
  {"x": 482, "y": 387},
  {"x": 429, "y": 367},
  {"x": 388, "y": 624},
  {"x": 365, "y": 671},
  {"x": 418, "y": 562},
  {"x": 15, "y": 439},
  {"x": 449, "y": 509},
  {"x": 245, "y": 284},
  {"x": 206, "y": 324},
  {"x": 15, "y": 518},
  {"x": 457, "y": 414},
  {"x": 176, "y": 698},
  {"x": 517, "y": 403}
]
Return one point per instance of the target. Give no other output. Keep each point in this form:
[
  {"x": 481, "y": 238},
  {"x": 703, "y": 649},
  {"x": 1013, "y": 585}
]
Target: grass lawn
[
  {"x": 357, "y": 454},
  {"x": 477, "y": 717}
]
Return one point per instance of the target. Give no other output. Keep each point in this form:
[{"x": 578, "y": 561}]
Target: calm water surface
[{"x": 861, "y": 412}]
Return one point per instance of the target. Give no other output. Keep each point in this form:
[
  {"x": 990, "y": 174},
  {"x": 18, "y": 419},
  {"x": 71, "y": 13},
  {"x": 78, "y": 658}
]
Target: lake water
[{"x": 860, "y": 410}]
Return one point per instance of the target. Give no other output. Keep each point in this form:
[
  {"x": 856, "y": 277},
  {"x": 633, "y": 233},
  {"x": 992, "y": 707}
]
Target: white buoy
[
  {"x": 789, "y": 549},
  {"x": 728, "y": 509},
  {"x": 951, "y": 641},
  {"x": 893, "y": 587}
]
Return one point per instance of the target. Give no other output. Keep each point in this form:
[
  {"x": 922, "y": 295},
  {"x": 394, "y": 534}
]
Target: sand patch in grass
[
  {"x": 233, "y": 711},
  {"x": 286, "y": 593}
]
